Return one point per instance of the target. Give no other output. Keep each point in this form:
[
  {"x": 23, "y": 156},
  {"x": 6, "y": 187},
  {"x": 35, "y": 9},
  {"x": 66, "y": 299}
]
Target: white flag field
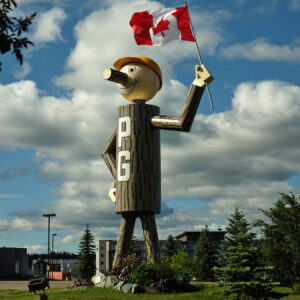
[{"x": 158, "y": 27}]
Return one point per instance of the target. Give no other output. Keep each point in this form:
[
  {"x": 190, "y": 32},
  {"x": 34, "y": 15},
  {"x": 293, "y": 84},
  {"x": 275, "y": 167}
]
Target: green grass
[{"x": 203, "y": 292}]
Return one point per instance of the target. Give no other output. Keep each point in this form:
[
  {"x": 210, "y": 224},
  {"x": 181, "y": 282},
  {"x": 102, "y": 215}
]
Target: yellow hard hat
[{"x": 142, "y": 60}]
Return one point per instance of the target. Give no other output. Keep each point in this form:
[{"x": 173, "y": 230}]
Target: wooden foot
[
  {"x": 151, "y": 237},
  {"x": 124, "y": 239}
]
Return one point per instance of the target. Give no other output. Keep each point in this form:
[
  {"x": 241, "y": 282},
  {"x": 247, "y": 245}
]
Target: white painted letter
[
  {"x": 123, "y": 166},
  {"x": 121, "y": 134}
]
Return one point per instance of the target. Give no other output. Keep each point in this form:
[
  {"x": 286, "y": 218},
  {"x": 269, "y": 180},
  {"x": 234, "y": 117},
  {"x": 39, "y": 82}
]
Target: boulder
[
  {"x": 102, "y": 284},
  {"x": 99, "y": 277},
  {"x": 111, "y": 281},
  {"x": 127, "y": 287},
  {"x": 119, "y": 285},
  {"x": 134, "y": 289}
]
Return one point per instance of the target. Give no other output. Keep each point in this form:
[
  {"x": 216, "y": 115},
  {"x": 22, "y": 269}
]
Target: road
[{"x": 23, "y": 285}]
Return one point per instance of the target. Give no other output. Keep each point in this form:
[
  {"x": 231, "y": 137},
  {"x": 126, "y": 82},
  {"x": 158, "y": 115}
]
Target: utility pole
[
  {"x": 48, "y": 216},
  {"x": 52, "y": 252}
]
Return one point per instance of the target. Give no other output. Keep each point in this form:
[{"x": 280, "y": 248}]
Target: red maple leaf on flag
[{"x": 161, "y": 26}]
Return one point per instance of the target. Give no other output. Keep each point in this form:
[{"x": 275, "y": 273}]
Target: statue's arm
[
  {"x": 185, "y": 120},
  {"x": 109, "y": 154}
]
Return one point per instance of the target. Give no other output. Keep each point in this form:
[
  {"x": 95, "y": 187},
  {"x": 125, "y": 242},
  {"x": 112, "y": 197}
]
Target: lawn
[{"x": 205, "y": 292}]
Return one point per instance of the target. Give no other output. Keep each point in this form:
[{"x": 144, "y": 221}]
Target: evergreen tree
[
  {"x": 11, "y": 30},
  {"x": 241, "y": 270},
  {"x": 281, "y": 238},
  {"x": 204, "y": 257},
  {"x": 133, "y": 245},
  {"x": 87, "y": 260},
  {"x": 170, "y": 247}
]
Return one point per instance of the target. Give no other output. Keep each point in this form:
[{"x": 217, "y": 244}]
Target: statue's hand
[
  {"x": 203, "y": 77},
  {"x": 112, "y": 192}
]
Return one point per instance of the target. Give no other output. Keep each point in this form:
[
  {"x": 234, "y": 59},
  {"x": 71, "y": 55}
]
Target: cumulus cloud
[
  {"x": 48, "y": 26},
  {"x": 239, "y": 157},
  {"x": 294, "y": 5},
  {"x": 23, "y": 71},
  {"x": 261, "y": 49},
  {"x": 35, "y": 249}
]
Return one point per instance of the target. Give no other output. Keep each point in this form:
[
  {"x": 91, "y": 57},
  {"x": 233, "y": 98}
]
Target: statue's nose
[{"x": 115, "y": 76}]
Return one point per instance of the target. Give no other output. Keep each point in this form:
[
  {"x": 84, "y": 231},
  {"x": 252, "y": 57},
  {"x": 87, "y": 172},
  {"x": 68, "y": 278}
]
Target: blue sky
[{"x": 57, "y": 113}]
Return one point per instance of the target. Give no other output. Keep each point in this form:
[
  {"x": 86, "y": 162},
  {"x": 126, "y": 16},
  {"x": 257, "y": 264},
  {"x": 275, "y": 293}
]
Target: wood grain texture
[
  {"x": 109, "y": 154},
  {"x": 142, "y": 192},
  {"x": 115, "y": 76},
  {"x": 124, "y": 239},
  {"x": 185, "y": 120},
  {"x": 151, "y": 237}
]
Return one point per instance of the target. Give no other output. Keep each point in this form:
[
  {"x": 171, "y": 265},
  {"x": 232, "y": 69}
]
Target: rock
[
  {"x": 126, "y": 288},
  {"x": 111, "y": 281},
  {"x": 102, "y": 284},
  {"x": 119, "y": 285},
  {"x": 134, "y": 289},
  {"x": 99, "y": 277}
]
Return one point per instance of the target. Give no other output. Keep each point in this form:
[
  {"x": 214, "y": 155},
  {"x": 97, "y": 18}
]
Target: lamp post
[
  {"x": 48, "y": 216},
  {"x": 53, "y": 234}
]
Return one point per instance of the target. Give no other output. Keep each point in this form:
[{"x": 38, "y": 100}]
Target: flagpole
[{"x": 199, "y": 55}]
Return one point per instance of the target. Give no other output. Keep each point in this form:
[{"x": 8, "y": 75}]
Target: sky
[{"x": 57, "y": 114}]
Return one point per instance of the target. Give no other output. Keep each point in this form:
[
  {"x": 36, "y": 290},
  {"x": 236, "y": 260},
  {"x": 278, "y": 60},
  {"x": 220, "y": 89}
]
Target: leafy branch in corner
[{"x": 12, "y": 29}]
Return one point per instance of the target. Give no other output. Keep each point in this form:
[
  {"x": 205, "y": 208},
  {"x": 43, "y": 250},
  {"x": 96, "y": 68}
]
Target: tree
[
  {"x": 12, "y": 29},
  {"x": 205, "y": 257},
  {"x": 87, "y": 261},
  {"x": 133, "y": 245},
  {"x": 241, "y": 271},
  {"x": 281, "y": 238},
  {"x": 170, "y": 247}
]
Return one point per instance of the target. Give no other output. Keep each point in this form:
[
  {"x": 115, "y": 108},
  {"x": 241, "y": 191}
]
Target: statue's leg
[
  {"x": 124, "y": 239},
  {"x": 151, "y": 237}
]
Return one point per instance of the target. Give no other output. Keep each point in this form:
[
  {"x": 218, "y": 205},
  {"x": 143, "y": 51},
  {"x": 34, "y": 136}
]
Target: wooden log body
[{"x": 138, "y": 187}]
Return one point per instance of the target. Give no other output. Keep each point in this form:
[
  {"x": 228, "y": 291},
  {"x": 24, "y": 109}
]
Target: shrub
[
  {"x": 128, "y": 264},
  {"x": 166, "y": 276},
  {"x": 182, "y": 265}
]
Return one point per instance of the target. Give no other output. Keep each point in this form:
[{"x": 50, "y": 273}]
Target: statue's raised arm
[{"x": 185, "y": 120}]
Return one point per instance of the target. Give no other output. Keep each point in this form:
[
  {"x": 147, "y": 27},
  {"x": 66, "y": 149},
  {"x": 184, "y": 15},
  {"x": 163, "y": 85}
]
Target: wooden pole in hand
[{"x": 199, "y": 56}]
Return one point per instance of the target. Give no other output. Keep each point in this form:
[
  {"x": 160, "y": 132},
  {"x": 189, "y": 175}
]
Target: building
[
  {"x": 70, "y": 266},
  {"x": 189, "y": 239},
  {"x": 13, "y": 263},
  {"x": 105, "y": 249}
]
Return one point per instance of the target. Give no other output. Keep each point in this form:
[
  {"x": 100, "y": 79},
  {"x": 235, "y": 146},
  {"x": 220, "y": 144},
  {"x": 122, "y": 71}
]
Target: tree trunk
[
  {"x": 151, "y": 237},
  {"x": 124, "y": 239},
  {"x": 138, "y": 160}
]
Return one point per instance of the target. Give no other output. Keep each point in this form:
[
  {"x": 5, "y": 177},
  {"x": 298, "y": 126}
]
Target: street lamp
[
  {"x": 48, "y": 216},
  {"x": 53, "y": 234}
]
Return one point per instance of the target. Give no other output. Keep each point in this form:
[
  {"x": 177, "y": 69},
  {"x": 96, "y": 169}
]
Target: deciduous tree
[{"x": 12, "y": 30}]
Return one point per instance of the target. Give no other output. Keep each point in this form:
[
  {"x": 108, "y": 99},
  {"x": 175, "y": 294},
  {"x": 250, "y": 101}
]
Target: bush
[
  {"x": 128, "y": 264},
  {"x": 167, "y": 276},
  {"x": 183, "y": 266}
]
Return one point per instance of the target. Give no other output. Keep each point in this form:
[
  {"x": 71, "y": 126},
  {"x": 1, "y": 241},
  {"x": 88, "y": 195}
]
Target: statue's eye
[{"x": 131, "y": 69}]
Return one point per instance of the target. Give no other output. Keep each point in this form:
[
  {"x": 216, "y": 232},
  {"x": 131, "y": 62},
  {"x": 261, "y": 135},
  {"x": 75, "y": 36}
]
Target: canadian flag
[{"x": 158, "y": 27}]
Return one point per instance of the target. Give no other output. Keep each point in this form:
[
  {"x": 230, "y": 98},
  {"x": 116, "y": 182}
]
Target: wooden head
[{"x": 143, "y": 80}]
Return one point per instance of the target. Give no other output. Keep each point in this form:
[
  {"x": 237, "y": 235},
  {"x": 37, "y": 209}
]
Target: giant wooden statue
[{"x": 133, "y": 151}]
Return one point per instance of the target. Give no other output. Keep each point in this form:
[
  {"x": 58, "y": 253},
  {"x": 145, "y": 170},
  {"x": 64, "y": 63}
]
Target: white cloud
[
  {"x": 262, "y": 49},
  {"x": 48, "y": 26},
  {"x": 35, "y": 249},
  {"x": 294, "y": 5},
  {"x": 22, "y": 71},
  {"x": 238, "y": 157}
]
